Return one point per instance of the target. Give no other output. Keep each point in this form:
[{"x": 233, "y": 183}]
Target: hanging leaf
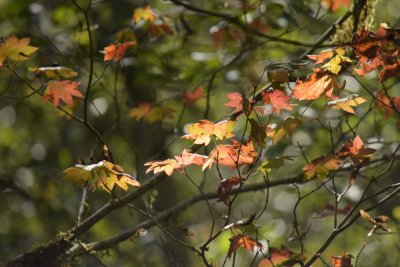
[
  {"x": 232, "y": 156},
  {"x": 103, "y": 175},
  {"x": 143, "y": 13},
  {"x": 278, "y": 99},
  {"x": 204, "y": 130},
  {"x": 225, "y": 187},
  {"x": 16, "y": 49},
  {"x": 168, "y": 166},
  {"x": 56, "y": 73},
  {"x": 321, "y": 167},
  {"x": 245, "y": 242},
  {"x": 57, "y": 91},
  {"x": 116, "y": 51},
  {"x": 151, "y": 112},
  {"x": 347, "y": 103},
  {"x": 316, "y": 84}
]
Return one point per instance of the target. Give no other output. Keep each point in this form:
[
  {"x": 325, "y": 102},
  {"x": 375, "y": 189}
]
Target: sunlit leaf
[
  {"x": 103, "y": 175},
  {"x": 16, "y": 49},
  {"x": 278, "y": 99},
  {"x": 204, "y": 130},
  {"x": 56, "y": 73},
  {"x": 355, "y": 150},
  {"x": 232, "y": 156},
  {"x": 315, "y": 85},
  {"x": 347, "y": 103}
]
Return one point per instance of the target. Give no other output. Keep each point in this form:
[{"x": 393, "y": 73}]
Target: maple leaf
[
  {"x": 204, "y": 130},
  {"x": 287, "y": 127},
  {"x": 168, "y": 166},
  {"x": 116, "y": 51},
  {"x": 342, "y": 261},
  {"x": 192, "y": 96},
  {"x": 103, "y": 175},
  {"x": 187, "y": 159},
  {"x": 347, "y": 103},
  {"x": 225, "y": 187},
  {"x": 57, "y": 91},
  {"x": 316, "y": 84},
  {"x": 16, "y": 49},
  {"x": 143, "y": 13},
  {"x": 281, "y": 257},
  {"x": 321, "y": 167},
  {"x": 232, "y": 156},
  {"x": 243, "y": 241},
  {"x": 278, "y": 100},
  {"x": 56, "y": 73},
  {"x": 355, "y": 150}
]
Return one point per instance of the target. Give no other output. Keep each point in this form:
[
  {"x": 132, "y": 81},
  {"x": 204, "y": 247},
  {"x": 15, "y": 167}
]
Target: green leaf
[{"x": 273, "y": 163}]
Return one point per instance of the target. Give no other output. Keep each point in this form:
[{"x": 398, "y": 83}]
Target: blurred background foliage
[{"x": 38, "y": 141}]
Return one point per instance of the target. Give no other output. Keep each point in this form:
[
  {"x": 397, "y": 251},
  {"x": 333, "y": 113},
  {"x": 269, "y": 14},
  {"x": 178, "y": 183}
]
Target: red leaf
[
  {"x": 316, "y": 84},
  {"x": 243, "y": 241},
  {"x": 278, "y": 100},
  {"x": 232, "y": 156},
  {"x": 225, "y": 187},
  {"x": 386, "y": 104},
  {"x": 57, "y": 91},
  {"x": 116, "y": 51},
  {"x": 192, "y": 96}
]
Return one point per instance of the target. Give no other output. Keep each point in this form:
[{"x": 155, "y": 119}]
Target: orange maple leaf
[
  {"x": 316, "y": 84},
  {"x": 204, "y": 130},
  {"x": 342, "y": 261},
  {"x": 278, "y": 100},
  {"x": 243, "y": 241},
  {"x": 57, "y": 91},
  {"x": 387, "y": 105},
  {"x": 187, "y": 159},
  {"x": 116, "y": 51},
  {"x": 232, "y": 156}
]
